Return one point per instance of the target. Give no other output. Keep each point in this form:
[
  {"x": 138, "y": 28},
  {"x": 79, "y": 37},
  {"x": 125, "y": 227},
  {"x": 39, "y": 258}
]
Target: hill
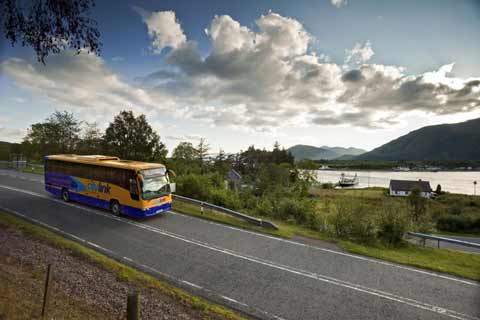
[
  {"x": 459, "y": 141},
  {"x": 301, "y": 152}
]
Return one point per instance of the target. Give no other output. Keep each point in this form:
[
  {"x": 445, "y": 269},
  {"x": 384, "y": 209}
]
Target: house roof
[
  {"x": 233, "y": 175},
  {"x": 408, "y": 185}
]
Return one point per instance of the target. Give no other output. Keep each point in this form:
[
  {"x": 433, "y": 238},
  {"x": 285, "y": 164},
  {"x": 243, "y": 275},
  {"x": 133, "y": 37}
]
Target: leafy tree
[
  {"x": 92, "y": 140},
  {"x": 439, "y": 189},
  {"x": 417, "y": 203},
  {"x": 185, "y": 151},
  {"x": 49, "y": 26},
  {"x": 58, "y": 134},
  {"x": 133, "y": 138},
  {"x": 185, "y": 159}
]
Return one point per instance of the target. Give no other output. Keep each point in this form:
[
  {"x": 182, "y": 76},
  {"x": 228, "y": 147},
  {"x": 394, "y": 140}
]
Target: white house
[{"x": 402, "y": 188}]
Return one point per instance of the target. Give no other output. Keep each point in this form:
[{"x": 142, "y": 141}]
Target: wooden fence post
[
  {"x": 133, "y": 309},
  {"x": 46, "y": 292}
]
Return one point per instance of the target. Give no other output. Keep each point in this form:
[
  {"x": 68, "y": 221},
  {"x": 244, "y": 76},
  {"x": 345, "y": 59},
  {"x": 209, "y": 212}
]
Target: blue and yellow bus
[{"x": 132, "y": 188}]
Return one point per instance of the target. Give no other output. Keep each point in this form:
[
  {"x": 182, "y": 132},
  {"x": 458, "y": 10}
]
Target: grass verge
[
  {"x": 457, "y": 263},
  {"x": 37, "y": 170},
  {"x": 121, "y": 271},
  {"x": 443, "y": 260},
  {"x": 285, "y": 230}
]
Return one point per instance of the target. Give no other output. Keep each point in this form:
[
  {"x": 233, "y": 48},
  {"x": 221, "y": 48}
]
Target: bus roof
[{"x": 105, "y": 161}]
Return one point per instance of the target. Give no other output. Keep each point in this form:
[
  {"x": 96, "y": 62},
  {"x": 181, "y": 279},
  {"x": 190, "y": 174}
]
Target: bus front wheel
[
  {"x": 65, "y": 195},
  {"x": 115, "y": 208}
]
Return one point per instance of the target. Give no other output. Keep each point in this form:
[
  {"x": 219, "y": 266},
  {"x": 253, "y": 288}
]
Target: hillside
[
  {"x": 459, "y": 141},
  {"x": 301, "y": 152}
]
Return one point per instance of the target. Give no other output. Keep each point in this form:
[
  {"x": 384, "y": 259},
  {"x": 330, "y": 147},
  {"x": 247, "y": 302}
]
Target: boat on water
[{"x": 346, "y": 181}]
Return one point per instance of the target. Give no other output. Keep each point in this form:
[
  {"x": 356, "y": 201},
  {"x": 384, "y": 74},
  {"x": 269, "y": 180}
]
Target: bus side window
[{"x": 134, "y": 189}]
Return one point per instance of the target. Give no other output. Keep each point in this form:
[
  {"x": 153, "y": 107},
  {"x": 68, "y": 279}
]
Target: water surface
[{"x": 452, "y": 181}]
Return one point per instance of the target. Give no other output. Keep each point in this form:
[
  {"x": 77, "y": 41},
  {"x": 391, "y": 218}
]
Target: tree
[
  {"x": 202, "y": 152},
  {"x": 133, "y": 138},
  {"x": 439, "y": 189},
  {"x": 49, "y": 26},
  {"x": 92, "y": 140},
  {"x": 185, "y": 151},
  {"x": 58, "y": 134},
  {"x": 222, "y": 163},
  {"x": 185, "y": 159},
  {"x": 417, "y": 203}
]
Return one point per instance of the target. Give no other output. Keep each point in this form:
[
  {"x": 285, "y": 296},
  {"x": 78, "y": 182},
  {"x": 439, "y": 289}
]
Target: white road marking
[
  {"x": 193, "y": 285},
  {"x": 393, "y": 265},
  {"x": 319, "y": 277}
]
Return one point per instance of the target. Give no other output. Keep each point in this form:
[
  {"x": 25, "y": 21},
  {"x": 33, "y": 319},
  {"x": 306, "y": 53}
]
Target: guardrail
[
  {"x": 19, "y": 164},
  {"x": 438, "y": 238},
  {"x": 256, "y": 221}
]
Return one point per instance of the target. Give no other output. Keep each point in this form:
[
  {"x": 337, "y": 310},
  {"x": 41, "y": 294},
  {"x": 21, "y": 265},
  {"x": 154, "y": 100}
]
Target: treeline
[
  {"x": 127, "y": 136},
  {"x": 266, "y": 182}
]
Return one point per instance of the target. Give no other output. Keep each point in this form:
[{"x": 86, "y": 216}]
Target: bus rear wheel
[
  {"x": 115, "y": 208},
  {"x": 65, "y": 195}
]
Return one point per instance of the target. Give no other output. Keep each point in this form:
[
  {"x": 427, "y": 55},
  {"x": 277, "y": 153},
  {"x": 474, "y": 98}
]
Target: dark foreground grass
[
  {"x": 122, "y": 272},
  {"x": 457, "y": 263}
]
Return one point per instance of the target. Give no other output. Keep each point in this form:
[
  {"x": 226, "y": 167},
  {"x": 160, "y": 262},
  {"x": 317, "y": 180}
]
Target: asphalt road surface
[{"x": 262, "y": 276}]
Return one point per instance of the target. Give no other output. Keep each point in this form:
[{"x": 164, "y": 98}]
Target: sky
[{"x": 240, "y": 73}]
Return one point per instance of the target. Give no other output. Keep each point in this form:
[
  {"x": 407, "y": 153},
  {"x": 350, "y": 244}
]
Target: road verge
[{"x": 127, "y": 277}]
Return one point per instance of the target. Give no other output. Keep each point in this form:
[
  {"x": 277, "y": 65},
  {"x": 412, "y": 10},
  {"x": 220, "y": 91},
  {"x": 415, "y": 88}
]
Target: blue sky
[{"x": 401, "y": 47}]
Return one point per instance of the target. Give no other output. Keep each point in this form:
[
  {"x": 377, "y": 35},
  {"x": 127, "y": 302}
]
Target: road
[
  {"x": 260, "y": 275},
  {"x": 448, "y": 245}
]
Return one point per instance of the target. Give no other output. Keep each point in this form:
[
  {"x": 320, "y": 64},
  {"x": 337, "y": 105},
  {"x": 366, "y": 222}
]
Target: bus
[{"x": 125, "y": 187}]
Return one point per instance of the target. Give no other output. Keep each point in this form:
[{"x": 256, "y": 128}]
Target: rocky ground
[{"x": 81, "y": 290}]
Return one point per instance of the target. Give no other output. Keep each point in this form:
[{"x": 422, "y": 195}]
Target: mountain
[
  {"x": 459, "y": 141},
  {"x": 301, "y": 152}
]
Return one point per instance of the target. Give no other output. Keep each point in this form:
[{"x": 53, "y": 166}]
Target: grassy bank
[
  {"x": 442, "y": 260},
  {"x": 122, "y": 272}
]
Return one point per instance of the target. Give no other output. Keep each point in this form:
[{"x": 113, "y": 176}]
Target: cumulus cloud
[
  {"x": 163, "y": 29},
  {"x": 82, "y": 81},
  {"x": 266, "y": 77},
  {"x": 259, "y": 78},
  {"x": 338, "y": 3},
  {"x": 359, "y": 53},
  {"x": 11, "y": 134}
]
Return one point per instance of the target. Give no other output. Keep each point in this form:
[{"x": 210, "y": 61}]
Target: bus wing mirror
[
  {"x": 173, "y": 187},
  {"x": 171, "y": 173}
]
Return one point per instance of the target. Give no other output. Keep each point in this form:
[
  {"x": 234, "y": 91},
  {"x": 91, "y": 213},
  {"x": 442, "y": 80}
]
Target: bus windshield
[{"x": 155, "y": 183}]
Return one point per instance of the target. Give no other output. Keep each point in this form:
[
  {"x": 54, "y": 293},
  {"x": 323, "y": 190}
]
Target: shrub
[
  {"x": 225, "y": 198},
  {"x": 264, "y": 207},
  {"x": 393, "y": 224},
  {"x": 294, "y": 209},
  {"x": 327, "y": 185},
  {"x": 342, "y": 219},
  {"x": 455, "y": 223},
  {"x": 194, "y": 186}
]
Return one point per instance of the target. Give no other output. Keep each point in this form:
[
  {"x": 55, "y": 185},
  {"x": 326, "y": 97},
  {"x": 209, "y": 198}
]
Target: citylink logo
[{"x": 98, "y": 187}]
